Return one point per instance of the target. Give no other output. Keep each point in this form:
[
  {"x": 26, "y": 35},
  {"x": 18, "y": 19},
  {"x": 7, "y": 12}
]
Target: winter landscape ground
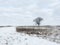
[{"x": 9, "y": 36}]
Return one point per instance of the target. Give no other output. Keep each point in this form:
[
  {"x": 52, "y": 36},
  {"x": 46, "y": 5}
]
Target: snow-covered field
[{"x": 9, "y": 36}]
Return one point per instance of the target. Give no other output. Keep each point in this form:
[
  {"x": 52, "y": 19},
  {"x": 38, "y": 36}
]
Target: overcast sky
[{"x": 22, "y": 12}]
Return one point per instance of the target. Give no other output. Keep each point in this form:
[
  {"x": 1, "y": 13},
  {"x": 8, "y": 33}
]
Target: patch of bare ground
[{"x": 51, "y": 34}]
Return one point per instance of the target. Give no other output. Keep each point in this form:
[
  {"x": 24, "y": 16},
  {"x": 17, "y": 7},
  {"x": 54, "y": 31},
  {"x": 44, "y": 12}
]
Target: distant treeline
[{"x": 6, "y": 26}]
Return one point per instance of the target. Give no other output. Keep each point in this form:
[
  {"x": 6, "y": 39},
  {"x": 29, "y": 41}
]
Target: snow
[{"x": 9, "y": 36}]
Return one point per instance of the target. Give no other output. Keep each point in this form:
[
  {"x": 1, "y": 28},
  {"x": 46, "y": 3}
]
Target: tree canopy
[{"x": 38, "y": 20}]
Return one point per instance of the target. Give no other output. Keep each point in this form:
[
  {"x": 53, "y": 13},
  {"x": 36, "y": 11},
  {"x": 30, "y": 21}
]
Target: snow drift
[{"x": 9, "y": 36}]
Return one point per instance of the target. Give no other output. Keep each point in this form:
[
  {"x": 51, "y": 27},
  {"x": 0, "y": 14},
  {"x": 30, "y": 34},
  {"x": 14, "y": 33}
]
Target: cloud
[{"x": 22, "y": 12}]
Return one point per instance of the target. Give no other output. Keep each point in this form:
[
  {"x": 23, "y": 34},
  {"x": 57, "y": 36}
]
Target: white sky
[{"x": 22, "y": 12}]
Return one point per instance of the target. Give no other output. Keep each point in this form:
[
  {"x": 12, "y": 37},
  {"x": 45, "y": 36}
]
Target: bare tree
[{"x": 38, "y": 20}]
